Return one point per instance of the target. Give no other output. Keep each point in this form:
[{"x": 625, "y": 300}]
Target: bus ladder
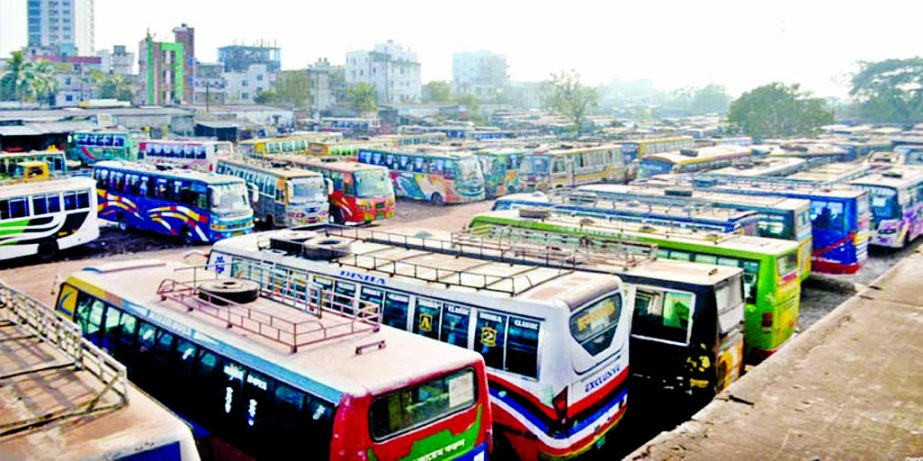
[
  {"x": 709, "y": 181},
  {"x": 351, "y": 315},
  {"x": 47, "y": 326}
]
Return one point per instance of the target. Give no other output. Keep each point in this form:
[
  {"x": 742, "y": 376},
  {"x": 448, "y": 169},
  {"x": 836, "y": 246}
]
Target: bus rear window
[
  {"x": 413, "y": 407},
  {"x": 787, "y": 264},
  {"x": 594, "y": 326}
]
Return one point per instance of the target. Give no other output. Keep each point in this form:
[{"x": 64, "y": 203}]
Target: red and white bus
[
  {"x": 555, "y": 341},
  {"x": 361, "y": 193},
  {"x": 267, "y": 367}
]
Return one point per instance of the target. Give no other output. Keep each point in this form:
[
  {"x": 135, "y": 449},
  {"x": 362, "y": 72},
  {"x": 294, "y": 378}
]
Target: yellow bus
[
  {"x": 694, "y": 160},
  {"x": 296, "y": 144}
]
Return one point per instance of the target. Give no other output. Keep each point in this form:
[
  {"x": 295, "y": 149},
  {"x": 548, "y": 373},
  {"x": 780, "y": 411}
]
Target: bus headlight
[{"x": 217, "y": 226}]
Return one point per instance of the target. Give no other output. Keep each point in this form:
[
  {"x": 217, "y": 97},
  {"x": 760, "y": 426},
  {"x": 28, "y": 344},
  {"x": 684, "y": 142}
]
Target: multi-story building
[
  {"x": 243, "y": 87},
  {"x": 238, "y": 58},
  {"x": 160, "y": 73},
  {"x": 165, "y": 74},
  {"x": 209, "y": 84},
  {"x": 66, "y": 25},
  {"x": 481, "y": 74},
  {"x": 391, "y": 70},
  {"x": 185, "y": 36},
  {"x": 328, "y": 85},
  {"x": 118, "y": 61},
  {"x": 74, "y": 75}
]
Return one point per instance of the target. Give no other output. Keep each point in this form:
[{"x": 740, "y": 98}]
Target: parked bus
[
  {"x": 839, "y": 217},
  {"x": 779, "y": 217},
  {"x": 191, "y": 205},
  {"x": 900, "y": 156},
  {"x": 347, "y": 150},
  {"x": 360, "y": 193},
  {"x": 694, "y": 160},
  {"x": 285, "y": 197},
  {"x": 770, "y": 266},
  {"x": 413, "y": 139},
  {"x": 555, "y": 341},
  {"x": 44, "y": 217},
  {"x": 816, "y": 153},
  {"x": 829, "y": 174},
  {"x": 636, "y": 149},
  {"x": 701, "y": 216},
  {"x": 436, "y": 177},
  {"x": 271, "y": 377},
  {"x": 775, "y": 167},
  {"x": 571, "y": 166},
  {"x": 501, "y": 169},
  {"x": 896, "y": 197},
  {"x": 295, "y": 144},
  {"x": 193, "y": 154},
  {"x": 351, "y": 125},
  {"x": 10, "y": 162},
  {"x": 85, "y": 409},
  {"x": 89, "y": 147}
]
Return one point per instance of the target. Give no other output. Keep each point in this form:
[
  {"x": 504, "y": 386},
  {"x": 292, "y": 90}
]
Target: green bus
[
  {"x": 501, "y": 169},
  {"x": 771, "y": 287}
]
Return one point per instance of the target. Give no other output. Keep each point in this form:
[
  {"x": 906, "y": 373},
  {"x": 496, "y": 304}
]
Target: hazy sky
[{"x": 738, "y": 43}]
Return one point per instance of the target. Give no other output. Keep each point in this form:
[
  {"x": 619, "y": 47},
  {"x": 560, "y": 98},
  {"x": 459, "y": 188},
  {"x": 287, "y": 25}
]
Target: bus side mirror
[
  {"x": 254, "y": 194},
  {"x": 329, "y": 184}
]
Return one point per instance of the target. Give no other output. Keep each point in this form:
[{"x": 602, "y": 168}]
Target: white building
[
  {"x": 67, "y": 25},
  {"x": 118, "y": 61},
  {"x": 243, "y": 87},
  {"x": 12, "y": 27},
  {"x": 479, "y": 73},
  {"x": 391, "y": 70}
]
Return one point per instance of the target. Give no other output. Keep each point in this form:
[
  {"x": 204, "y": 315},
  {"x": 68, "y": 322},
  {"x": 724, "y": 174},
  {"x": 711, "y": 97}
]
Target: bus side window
[
  {"x": 345, "y": 294},
  {"x": 365, "y": 156},
  {"x": 426, "y": 318},
  {"x": 372, "y": 296},
  {"x": 420, "y": 165},
  {"x": 89, "y": 314},
  {"x": 185, "y": 356},
  {"x": 522, "y": 347},
  {"x": 395, "y": 310},
  {"x": 83, "y": 200},
  {"x": 490, "y": 338},
  {"x": 160, "y": 188},
  {"x": 144, "y": 186},
  {"x": 405, "y": 163},
  {"x": 455, "y": 320},
  {"x": 4, "y": 209}
]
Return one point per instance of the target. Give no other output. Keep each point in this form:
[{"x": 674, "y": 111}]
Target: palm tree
[
  {"x": 44, "y": 83},
  {"x": 27, "y": 81},
  {"x": 11, "y": 80}
]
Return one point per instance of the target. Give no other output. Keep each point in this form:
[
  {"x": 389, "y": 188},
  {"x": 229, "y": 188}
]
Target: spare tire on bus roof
[
  {"x": 327, "y": 248},
  {"x": 533, "y": 213},
  {"x": 236, "y": 291},
  {"x": 291, "y": 241}
]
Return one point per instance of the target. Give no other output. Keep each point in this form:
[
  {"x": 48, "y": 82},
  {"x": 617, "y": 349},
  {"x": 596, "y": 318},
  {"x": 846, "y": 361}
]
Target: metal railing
[
  {"x": 281, "y": 286},
  {"x": 62, "y": 334}
]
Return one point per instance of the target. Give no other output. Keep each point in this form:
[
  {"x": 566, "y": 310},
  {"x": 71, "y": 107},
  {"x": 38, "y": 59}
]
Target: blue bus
[
  {"x": 197, "y": 207},
  {"x": 840, "y": 216}
]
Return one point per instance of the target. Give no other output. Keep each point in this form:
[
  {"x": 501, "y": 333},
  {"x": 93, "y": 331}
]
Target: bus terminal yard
[{"x": 413, "y": 297}]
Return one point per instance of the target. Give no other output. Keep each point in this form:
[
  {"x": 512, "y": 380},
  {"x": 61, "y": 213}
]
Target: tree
[
  {"x": 112, "y": 86},
  {"x": 13, "y": 78},
  {"x": 437, "y": 91},
  {"x": 293, "y": 88},
  {"x": 890, "y": 90},
  {"x": 565, "y": 95},
  {"x": 710, "y": 99},
  {"x": 472, "y": 105},
  {"x": 778, "y": 110},
  {"x": 27, "y": 81},
  {"x": 362, "y": 98}
]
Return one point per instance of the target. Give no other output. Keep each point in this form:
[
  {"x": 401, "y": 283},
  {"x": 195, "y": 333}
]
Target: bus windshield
[
  {"x": 883, "y": 203},
  {"x": 775, "y": 226},
  {"x": 828, "y": 214},
  {"x": 467, "y": 170},
  {"x": 229, "y": 198},
  {"x": 412, "y": 407},
  {"x": 307, "y": 190},
  {"x": 372, "y": 183},
  {"x": 650, "y": 167},
  {"x": 534, "y": 165},
  {"x": 594, "y": 327}
]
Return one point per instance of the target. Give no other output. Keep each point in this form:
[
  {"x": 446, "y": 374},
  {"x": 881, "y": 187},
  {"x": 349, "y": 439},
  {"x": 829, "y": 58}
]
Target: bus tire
[
  {"x": 47, "y": 250},
  {"x": 270, "y": 222},
  {"x": 188, "y": 237},
  {"x": 337, "y": 216},
  {"x": 236, "y": 291},
  {"x": 326, "y": 248},
  {"x": 123, "y": 224},
  {"x": 436, "y": 199}
]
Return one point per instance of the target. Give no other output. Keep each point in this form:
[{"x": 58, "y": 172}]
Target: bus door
[{"x": 660, "y": 336}]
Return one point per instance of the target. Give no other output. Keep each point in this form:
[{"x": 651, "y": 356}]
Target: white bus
[
  {"x": 555, "y": 340},
  {"x": 40, "y": 218},
  {"x": 201, "y": 155}
]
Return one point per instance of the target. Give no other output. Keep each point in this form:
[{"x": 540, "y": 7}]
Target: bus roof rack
[{"x": 47, "y": 327}]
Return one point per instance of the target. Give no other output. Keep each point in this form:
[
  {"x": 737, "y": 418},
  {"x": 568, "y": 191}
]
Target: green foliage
[
  {"x": 778, "y": 110},
  {"x": 293, "y": 88},
  {"x": 27, "y": 81},
  {"x": 112, "y": 86},
  {"x": 565, "y": 95},
  {"x": 362, "y": 98},
  {"x": 710, "y": 99},
  {"x": 437, "y": 91},
  {"x": 472, "y": 106},
  {"x": 890, "y": 90}
]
